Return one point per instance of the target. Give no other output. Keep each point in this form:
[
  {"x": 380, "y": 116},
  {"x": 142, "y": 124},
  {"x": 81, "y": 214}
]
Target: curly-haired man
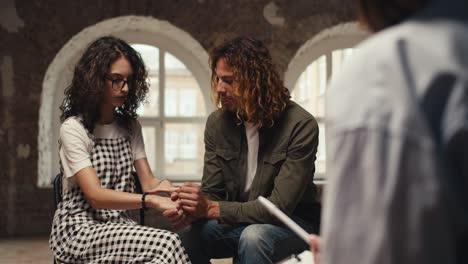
[{"x": 258, "y": 142}]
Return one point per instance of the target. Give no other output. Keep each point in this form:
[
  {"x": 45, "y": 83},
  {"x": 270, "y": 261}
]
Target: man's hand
[
  {"x": 192, "y": 200},
  {"x": 314, "y": 242}
]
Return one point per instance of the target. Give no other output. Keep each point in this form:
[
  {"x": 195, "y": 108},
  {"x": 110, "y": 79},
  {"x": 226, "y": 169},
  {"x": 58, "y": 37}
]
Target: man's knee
[{"x": 256, "y": 235}]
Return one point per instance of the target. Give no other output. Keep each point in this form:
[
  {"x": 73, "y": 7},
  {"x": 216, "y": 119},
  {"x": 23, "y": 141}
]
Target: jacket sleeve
[
  {"x": 289, "y": 185},
  {"x": 212, "y": 182}
]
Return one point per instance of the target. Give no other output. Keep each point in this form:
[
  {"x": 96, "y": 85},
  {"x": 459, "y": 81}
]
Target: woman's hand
[{"x": 162, "y": 203}]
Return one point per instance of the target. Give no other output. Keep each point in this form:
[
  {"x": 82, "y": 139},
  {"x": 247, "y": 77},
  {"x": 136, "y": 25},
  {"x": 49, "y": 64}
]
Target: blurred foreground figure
[{"x": 397, "y": 129}]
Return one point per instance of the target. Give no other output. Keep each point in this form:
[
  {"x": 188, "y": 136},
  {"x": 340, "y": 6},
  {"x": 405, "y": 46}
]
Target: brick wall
[{"x": 32, "y": 32}]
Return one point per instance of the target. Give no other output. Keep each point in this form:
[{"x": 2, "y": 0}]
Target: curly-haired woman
[
  {"x": 100, "y": 144},
  {"x": 258, "y": 142}
]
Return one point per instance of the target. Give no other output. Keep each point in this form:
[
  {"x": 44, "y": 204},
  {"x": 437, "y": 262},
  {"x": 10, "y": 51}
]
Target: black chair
[{"x": 57, "y": 190}]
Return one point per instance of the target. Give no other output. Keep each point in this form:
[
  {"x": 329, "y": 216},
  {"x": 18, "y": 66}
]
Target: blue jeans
[{"x": 255, "y": 243}]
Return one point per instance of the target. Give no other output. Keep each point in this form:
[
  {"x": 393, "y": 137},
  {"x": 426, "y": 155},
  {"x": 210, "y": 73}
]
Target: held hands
[
  {"x": 162, "y": 203},
  {"x": 163, "y": 188},
  {"x": 192, "y": 200},
  {"x": 159, "y": 196},
  {"x": 193, "y": 203},
  {"x": 172, "y": 210},
  {"x": 164, "y": 197}
]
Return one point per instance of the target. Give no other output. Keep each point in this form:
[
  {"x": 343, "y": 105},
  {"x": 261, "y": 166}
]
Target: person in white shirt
[
  {"x": 397, "y": 131},
  {"x": 100, "y": 146}
]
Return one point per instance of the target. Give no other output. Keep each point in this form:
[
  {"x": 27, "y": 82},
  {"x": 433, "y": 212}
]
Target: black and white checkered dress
[{"x": 81, "y": 234}]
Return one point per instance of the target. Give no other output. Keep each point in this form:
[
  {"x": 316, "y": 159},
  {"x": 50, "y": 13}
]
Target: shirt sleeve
[
  {"x": 74, "y": 148},
  {"x": 138, "y": 146}
]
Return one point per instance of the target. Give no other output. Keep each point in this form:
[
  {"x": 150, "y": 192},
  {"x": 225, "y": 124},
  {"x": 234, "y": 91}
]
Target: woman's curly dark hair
[
  {"x": 261, "y": 95},
  {"x": 85, "y": 94}
]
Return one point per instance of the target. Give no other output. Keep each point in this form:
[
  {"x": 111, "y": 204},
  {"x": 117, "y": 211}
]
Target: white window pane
[
  {"x": 184, "y": 150},
  {"x": 150, "y": 56},
  {"x": 322, "y": 75},
  {"x": 183, "y": 97},
  {"x": 310, "y": 87},
  {"x": 150, "y": 108},
  {"x": 149, "y": 137},
  {"x": 171, "y": 102},
  {"x": 339, "y": 57}
]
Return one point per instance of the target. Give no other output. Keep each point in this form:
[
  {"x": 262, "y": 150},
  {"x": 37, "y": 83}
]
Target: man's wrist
[{"x": 212, "y": 211}]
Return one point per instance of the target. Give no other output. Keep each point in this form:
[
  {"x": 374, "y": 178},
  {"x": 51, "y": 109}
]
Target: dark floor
[{"x": 36, "y": 250}]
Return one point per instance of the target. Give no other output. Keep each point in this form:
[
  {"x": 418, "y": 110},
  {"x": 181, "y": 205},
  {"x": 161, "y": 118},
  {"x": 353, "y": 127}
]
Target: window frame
[
  {"x": 133, "y": 29},
  {"x": 160, "y": 122},
  {"x": 342, "y": 36}
]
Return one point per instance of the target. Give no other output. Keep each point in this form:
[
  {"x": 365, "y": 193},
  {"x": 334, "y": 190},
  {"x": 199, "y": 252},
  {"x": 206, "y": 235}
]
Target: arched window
[
  {"x": 309, "y": 72},
  {"x": 173, "y": 117},
  {"x": 177, "y": 106}
]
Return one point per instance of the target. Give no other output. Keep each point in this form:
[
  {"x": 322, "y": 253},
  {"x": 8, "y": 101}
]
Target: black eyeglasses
[{"x": 118, "y": 84}]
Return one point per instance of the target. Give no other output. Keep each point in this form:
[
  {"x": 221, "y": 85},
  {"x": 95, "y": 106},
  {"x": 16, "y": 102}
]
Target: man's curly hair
[
  {"x": 85, "y": 94},
  {"x": 258, "y": 89}
]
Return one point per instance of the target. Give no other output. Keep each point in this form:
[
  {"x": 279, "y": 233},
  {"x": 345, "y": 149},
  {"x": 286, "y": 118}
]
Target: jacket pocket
[{"x": 228, "y": 161}]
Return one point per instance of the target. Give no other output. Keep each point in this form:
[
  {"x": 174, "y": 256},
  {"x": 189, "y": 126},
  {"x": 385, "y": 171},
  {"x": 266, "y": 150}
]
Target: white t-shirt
[
  {"x": 76, "y": 146},
  {"x": 251, "y": 132}
]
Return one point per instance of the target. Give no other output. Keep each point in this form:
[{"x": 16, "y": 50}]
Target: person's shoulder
[
  {"x": 73, "y": 127},
  {"x": 372, "y": 59},
  {"x": 296, "y": 113},
  {"x": 215, "y": 116},
  {"x": 377, "y": 47},
  {"x": 436, "y": 40},
  {"x": 72, "y": 123},
  {"x": 295, "y": 109}
]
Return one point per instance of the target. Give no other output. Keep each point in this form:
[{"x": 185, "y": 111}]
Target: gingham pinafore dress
[{"x": 81, "y": 234}]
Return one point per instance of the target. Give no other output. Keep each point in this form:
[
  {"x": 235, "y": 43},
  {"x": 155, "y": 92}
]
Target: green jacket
[{"x": 285, "y": 167}]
